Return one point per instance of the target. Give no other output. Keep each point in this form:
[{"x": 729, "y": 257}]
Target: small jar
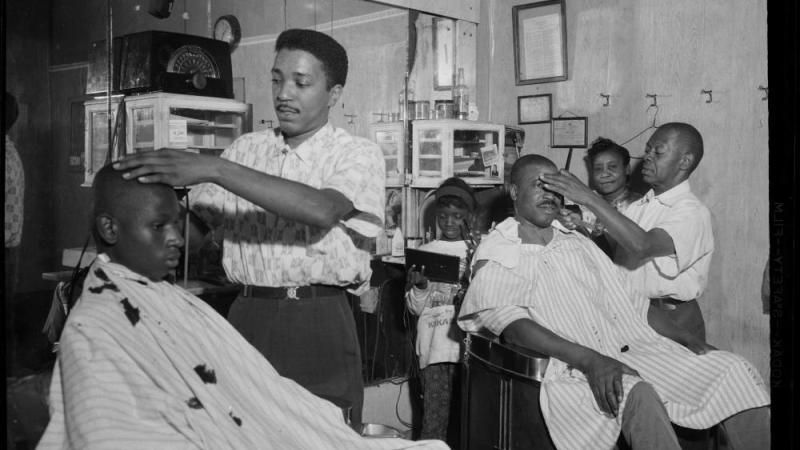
[
  {"x": 412, "y": 110},
  {"x": 445, "y": 109},
  {"x": 422, "y": 110}
]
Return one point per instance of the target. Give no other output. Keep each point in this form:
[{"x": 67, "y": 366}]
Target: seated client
[
  {"x": 541, "y": 286},
  {"x": 145, "y": 364}
]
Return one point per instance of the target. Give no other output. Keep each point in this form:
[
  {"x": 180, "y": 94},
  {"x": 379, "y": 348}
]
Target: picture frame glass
[
  {"x": 534, "y": 109},
  {"x": 540, "y": 42},
  {"x": 569, "y": 132}
]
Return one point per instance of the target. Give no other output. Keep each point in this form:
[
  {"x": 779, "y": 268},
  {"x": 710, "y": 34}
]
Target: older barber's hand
[
  {"x": 605, "y": 379},
  {"x": 170, "y": 166},
  {"x": 569, "y": 186},
  {"x": 571, "y": 220}
]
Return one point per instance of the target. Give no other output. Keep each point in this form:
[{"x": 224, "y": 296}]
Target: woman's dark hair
[
  {"x": 602, "y": 145},
  {"x": 456, "y": 192}
]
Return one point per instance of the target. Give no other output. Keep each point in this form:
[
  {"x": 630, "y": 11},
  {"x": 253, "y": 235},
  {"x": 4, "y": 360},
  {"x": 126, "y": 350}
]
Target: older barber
[{"x": 664, "y": 240}]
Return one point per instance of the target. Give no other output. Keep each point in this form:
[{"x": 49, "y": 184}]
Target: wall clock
[{"x": 227, "y": 29}]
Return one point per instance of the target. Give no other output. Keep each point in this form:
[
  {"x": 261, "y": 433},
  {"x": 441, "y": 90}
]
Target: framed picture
[
  {"x": 568, "y": 132},
  {"x": 540, "y": 42},
  {"x": 534, "y": 108},
  {"x": 444, "y": 53}
]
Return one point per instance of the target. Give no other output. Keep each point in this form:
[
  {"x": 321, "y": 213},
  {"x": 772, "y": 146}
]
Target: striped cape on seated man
[
  {"x": 145, "y": 364},
  {"x": 541, "y": 286}
]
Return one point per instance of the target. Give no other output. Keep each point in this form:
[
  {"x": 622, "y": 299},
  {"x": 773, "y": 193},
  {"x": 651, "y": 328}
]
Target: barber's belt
[
  {"x": 295, "y": 292},
  {"x": 668, "y": 303}
]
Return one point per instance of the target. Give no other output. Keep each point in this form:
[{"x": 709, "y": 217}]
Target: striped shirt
[
  {"x": 145, "y": 364},
  {"x": 263, "y": 249},
  {"x": 684, "y": 274},
  {"x": 571, "y": 288}
]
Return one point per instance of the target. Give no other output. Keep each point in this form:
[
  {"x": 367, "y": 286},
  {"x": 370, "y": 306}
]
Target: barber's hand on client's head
[
  {"x": 169, "y": 166},
  {"x": 416, "y": 278},
  {"x": 567, "y": 185}
]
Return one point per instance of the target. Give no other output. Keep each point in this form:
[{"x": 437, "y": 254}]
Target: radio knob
[{"x": 198, "y": 80}]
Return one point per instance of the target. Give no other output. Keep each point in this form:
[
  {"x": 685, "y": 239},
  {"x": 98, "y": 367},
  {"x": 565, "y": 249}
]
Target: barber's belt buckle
[{"x": 291, "y": 293}]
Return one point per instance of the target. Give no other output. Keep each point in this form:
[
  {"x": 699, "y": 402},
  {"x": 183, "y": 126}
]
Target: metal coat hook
[
  {"x": 655, "y": 114},
  {"x": 654, "y": 97},
  {"x": 605, "y": 99},
  {"x": 766, "y": 91},
  {"x": 708, "y": 93}
]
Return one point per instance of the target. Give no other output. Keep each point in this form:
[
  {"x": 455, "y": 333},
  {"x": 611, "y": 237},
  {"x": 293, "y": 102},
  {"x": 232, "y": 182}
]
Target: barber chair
[
  {"x": 500, "y": 401},
  {"x": 500, "y": 396}
]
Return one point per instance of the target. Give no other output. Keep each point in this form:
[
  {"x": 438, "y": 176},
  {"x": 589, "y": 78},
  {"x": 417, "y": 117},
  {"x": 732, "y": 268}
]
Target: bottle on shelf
[
  {"x": 402, "y": 98},
  {"x": 398, "y": 243},
  {"x": 461, "y": 96}
]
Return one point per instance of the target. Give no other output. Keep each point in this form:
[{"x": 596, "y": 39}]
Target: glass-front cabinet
[
  {"x": 96, "y": 136},
  {"x": 469, "y": 150},
  {"x": 159, "y": 120},
  {"x": 389, "y": 137},
  {"x": 197, "y": 124}
]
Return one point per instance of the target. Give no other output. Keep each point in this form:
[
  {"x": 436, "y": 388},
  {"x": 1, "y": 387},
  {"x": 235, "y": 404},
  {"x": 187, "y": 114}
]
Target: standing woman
[{"x": 609, "y": 173}]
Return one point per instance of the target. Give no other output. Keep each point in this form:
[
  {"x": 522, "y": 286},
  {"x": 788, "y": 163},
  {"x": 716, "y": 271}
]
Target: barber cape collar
[{"x": 502, "y": 245}]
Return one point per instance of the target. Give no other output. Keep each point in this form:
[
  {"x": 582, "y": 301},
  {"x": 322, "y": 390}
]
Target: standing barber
[
  {"x": 664, "y": 239},
  {"x": 297, "y": 206}
]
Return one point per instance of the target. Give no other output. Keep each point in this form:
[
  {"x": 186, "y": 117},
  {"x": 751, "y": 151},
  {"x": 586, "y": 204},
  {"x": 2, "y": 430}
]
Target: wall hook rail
[
  {"x": 707, "y": 92},
  {"x": 606, "y": 101},
  {"x": 654, "y": 97},
  {"x": 766, "y": 91},
  {"x": 350, "y": 118}
]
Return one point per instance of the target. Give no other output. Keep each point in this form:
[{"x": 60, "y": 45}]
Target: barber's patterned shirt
[
  {"x": 263, "y": 249},
  {"x": 15, "y": 195},
  {"x": 571, "y": 288}
]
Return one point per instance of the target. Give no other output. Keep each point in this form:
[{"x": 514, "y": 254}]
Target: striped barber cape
[
  {"x": 571, "y": 288},
  {"x": 145, "y": 364}
]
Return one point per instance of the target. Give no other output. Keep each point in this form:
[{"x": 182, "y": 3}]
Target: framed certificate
[
  {"x": 534, "y": 108},
  {"x": 540, "y": 42},
  {"x": 568, "y": 132}
]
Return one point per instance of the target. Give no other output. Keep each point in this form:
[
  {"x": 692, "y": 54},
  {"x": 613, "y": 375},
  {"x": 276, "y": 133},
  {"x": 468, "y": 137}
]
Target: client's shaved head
[
  {"x": 529, "y": 160},
  {"x": 116, "y": 196},
  {"x": 137, "y": 225}
]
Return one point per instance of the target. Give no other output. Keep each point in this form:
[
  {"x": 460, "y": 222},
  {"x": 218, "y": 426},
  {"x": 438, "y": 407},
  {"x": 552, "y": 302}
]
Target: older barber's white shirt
[{"x": 678, "y": 211}]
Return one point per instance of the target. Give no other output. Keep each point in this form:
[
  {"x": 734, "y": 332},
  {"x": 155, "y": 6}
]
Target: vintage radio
[{"x": 174, "y": 62}]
